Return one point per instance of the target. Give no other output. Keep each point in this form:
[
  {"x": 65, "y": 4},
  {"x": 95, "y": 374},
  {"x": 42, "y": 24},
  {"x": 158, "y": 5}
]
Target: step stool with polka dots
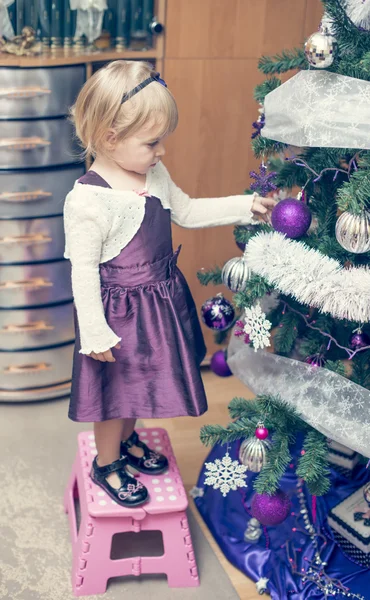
[{"x": 101, "y": 518}]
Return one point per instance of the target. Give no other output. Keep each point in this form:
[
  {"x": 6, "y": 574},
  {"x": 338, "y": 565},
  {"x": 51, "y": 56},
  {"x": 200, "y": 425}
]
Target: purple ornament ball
[
  {"x": 292, "y": 217},
  {"x": 218, "y": 313},
  {"x": 219, "y": 364},
  {"x": 359, "y": 340},
  {"x": 271, "y": 510},
  {"x": 241, "y": 246}
]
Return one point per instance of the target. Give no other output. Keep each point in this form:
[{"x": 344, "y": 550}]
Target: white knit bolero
[{"x": 99, "y": 222}]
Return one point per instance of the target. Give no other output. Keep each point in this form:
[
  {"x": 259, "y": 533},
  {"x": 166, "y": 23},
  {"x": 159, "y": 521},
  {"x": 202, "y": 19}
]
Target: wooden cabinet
[{"x": 211, "y": 56}]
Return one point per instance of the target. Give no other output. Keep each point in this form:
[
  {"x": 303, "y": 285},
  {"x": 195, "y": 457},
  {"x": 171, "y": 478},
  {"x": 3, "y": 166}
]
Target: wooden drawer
[
  {"x": 31, "y": 240},
  {"x": 35, "y": 368},
  {"x": 36, "y": 193},
  {"x": 46, "y": 92},
  {"x": 35, "y": 285},
  {"x": 23, "y": 329},
  {"x": 39, "y": 143}
]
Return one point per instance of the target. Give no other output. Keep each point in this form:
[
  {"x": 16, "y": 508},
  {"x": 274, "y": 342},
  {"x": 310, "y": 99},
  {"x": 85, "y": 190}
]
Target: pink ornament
[
  {"x": 239, "y": 331},
  {"x": 292, "y": 217},
  {"x": 261, "y": 432},
  {"x": 359, "y": 340},
  {"x": 219, "y": 364},
  {"x": 271, "y": 510},
  {"x": 316, "y": 360}
]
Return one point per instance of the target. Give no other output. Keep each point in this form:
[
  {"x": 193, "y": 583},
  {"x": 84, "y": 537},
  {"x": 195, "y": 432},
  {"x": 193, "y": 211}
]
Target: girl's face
[{"x": 139, "y": 152}]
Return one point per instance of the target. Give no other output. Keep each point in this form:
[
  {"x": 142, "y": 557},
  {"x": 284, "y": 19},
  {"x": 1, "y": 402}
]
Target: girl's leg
[
  {"x": 128, "y": 429},
  {"x": 108, "y": 435}
]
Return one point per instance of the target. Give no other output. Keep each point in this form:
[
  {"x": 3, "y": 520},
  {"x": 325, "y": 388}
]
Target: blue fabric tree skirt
[{"x": 227, "y": 518}]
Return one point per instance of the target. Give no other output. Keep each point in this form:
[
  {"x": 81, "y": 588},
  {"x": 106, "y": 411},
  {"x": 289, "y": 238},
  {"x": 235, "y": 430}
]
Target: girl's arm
[
  {"x": 210, "y": 212},
  {"x": 84, "y": 239}
]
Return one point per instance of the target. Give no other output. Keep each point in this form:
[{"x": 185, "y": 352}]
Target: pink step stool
[{"x": 101, "y": 518}]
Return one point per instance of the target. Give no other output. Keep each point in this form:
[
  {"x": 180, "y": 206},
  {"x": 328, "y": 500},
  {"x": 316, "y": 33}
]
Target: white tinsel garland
[
  {"x": 358, "y": 11},
  {"x": 310, "y": 277}
]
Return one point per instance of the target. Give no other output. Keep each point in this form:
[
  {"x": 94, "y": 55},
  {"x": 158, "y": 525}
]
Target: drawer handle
[
  {"x": 28, "y": 284},
  {"x": 27, "y": 239},
  {"x": 17, "y": 369},
  {"x": 30, "y": 143},
  {"x": 23, "y": 93},
  {"x": 24, "y": 196},
  {"x": 27, "y": 327}
]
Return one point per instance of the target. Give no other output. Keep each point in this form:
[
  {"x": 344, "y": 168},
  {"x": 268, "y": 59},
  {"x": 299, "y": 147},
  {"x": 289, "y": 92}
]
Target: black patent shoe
[
  {"x": 131, "y": 493},
  {"x": 151, "y": 463}
]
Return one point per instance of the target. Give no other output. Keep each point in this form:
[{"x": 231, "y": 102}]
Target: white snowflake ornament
[
  {"x": 225, "y": 475},
  {"x": 257, "y": 327}
]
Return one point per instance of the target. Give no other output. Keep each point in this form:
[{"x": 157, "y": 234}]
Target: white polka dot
[
  {"x": 158, "y": 448},
  {"x": 102, "y": 502},
  {"x": 92, "y": 444},
  {"x": 173, "y": 498},
  {"x": 143, "y": 434},
  {"x": 91, "y": 436},
  {"x": 168, "y": 480},
  {"x": 155, "y": 480},
  {"x": 169, "y": 489},
  {"x": 114, "y": 502},
  {"x": 94, "y": 452},
  {"x": 157, "y": 489},
  {"x": 154, "y": 432},
  {"x": 159, "y": 498},
  {"x": 157, "y": 441},
  {"x": 101, "y": 493}
]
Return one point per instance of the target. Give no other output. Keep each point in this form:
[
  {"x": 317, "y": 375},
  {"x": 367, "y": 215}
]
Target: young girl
[{"x": 139, "y": 344}]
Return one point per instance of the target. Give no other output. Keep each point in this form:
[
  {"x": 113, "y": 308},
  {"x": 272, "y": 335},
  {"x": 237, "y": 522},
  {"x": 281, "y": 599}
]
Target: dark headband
[{"x": 142, "y": 85}]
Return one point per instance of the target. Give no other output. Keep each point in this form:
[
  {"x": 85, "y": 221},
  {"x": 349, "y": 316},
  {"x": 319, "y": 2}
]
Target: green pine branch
[
  {"x": 279, "y": 458},
  {"x": 286, "y": 61},
  {"x": 313, "y": 465},
  {"x": 336, "y": 366},
  {"x": 216, "y": 434},
  {"x": 261, "y": 90},
  {"x": 257, "y": 287},
  {"x": 263, "y": 147},
  {"x": 207, "y": 276},
  {"x": 354, "y": 195},
  {"x": 287, "y": 333}
]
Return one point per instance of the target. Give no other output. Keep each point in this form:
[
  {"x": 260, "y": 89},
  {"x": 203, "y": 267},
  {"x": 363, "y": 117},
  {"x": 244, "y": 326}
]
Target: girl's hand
[
  {"x": 262, "y": 207},
  {"x": 106, "y": 356}
]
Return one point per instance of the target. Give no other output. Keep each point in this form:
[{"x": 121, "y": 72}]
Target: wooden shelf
[{"x": 69, "y": 56}]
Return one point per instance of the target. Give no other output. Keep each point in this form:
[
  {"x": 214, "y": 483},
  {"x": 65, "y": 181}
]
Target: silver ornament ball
[
  {"x": 319, "y": 50},
  {"x": 235, "y": 274},
  {"x": 253, "y": 453},
  {"x": 353, "y": 232}
]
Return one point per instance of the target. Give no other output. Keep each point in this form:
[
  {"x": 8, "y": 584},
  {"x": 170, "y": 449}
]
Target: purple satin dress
[{"x": 148, "y": 304}]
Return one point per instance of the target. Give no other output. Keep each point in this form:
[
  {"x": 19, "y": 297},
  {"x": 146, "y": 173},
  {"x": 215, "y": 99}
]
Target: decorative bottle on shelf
[
  {"x": 138, "y": 34},
  {"x": 55, "y": 27},
  {"x": 31, "y": 13},
  {"x": 148, "y": 15},
  {"x": 123, "y": 24},
  {"x": 20, "y": 13},
  {"x": 68, "y": 24},
  {"x": 44, "y": 15}
]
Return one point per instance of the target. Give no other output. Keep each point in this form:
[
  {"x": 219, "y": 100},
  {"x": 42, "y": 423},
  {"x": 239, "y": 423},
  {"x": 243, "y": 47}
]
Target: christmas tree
[{"x": 301, "y": 304}]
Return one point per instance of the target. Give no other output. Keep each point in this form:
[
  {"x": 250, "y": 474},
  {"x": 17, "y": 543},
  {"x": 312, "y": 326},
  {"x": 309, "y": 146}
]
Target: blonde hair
[{"x": 99, "y": 107}]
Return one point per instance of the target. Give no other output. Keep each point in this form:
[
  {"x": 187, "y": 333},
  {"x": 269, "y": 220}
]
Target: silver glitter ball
[
  {"x": 235, "y": 274},
  {"x": 353, "y": 232},
  {"x": 319, "y": 50},
  {"x": 253, "y": 453}
]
